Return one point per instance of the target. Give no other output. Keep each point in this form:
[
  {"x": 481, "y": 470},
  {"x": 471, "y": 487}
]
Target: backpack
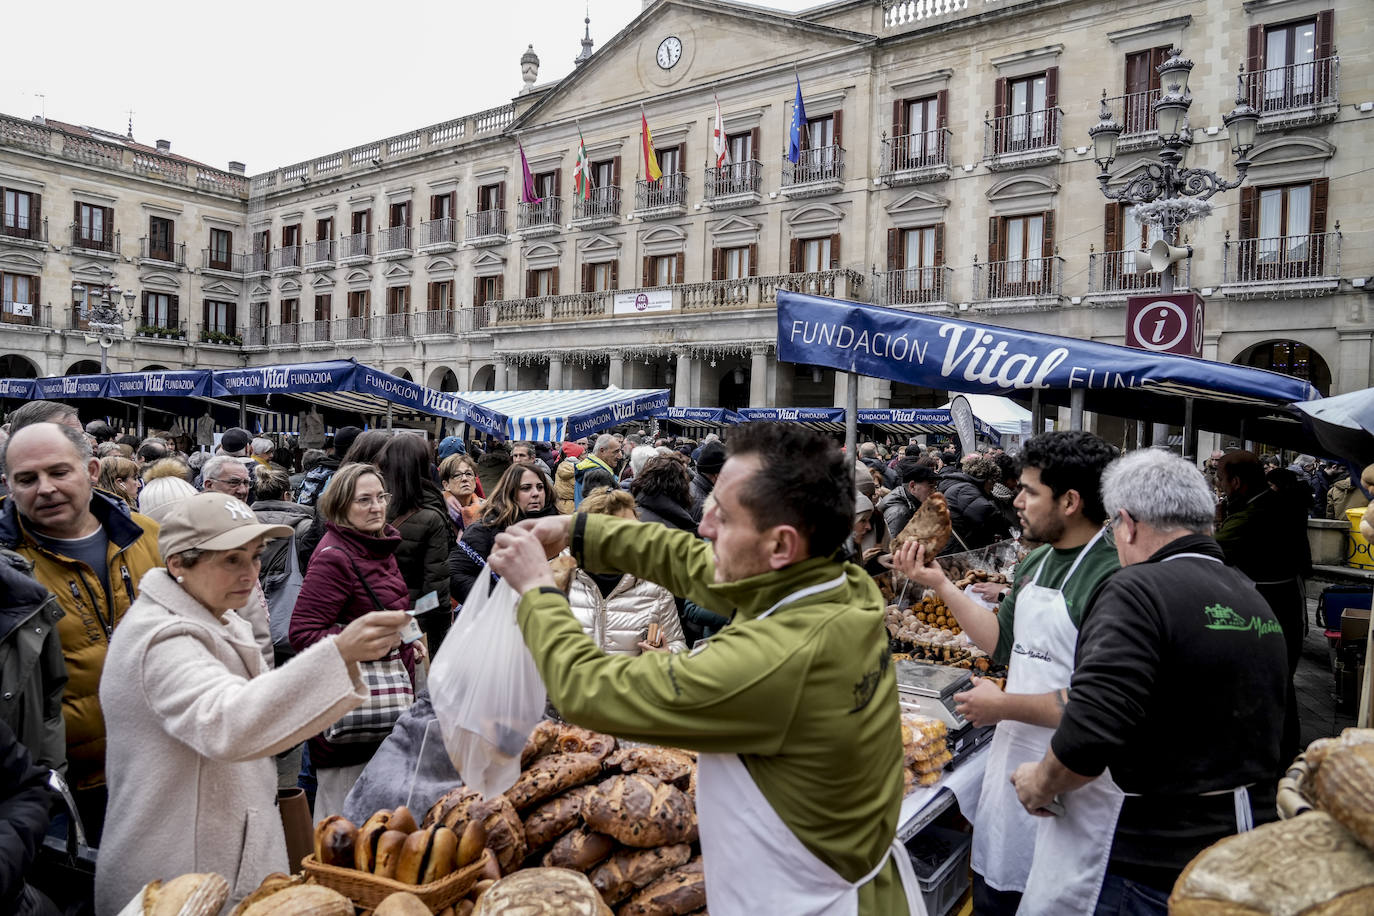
[{"x": 281, "y": 580}]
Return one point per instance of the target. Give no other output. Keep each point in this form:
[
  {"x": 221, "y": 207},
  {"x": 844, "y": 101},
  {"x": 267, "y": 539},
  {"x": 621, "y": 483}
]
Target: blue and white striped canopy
[
  {"x": 557, "y": 416},
  {"x": 886, "y": 419}
]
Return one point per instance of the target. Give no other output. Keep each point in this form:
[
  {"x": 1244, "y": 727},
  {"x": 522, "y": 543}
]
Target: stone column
[
  {"x": 841, "y": 388},
  {"x": 682, "y": 382},
  {"x": 617, "y": 374},
  {"x": 499, "y": 376},
  {"x": 758, "y": 377},
  {"x": 555, "y": 372},
  {"x": 462, "y": 370}
]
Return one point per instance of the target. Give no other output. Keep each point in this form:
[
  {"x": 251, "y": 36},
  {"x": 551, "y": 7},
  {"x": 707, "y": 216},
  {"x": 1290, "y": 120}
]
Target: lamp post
[
  {"x": 1168, "y": 180},
  {"x": 106, "y": 317}
]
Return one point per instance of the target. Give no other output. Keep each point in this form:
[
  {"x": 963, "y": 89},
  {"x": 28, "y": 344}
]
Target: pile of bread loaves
[
  {"x": 1319, "y": 863},
  {"x": 925, "y": 751}
]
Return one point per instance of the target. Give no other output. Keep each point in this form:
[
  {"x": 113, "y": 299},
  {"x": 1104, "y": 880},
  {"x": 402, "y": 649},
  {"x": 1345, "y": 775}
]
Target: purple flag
[{"x": 527, "y": 193}]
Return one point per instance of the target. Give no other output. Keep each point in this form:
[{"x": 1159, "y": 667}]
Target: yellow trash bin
[{"x": 1358, "y": 554}]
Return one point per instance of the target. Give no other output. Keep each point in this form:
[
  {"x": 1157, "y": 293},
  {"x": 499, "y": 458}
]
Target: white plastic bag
[{"x": 487, "y": 694}]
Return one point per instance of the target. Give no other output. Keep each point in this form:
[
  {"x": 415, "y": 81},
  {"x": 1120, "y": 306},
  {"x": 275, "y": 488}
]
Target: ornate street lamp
[
  {"x": 1167, "y": 192},
  {"x": 106, "y": 316}
]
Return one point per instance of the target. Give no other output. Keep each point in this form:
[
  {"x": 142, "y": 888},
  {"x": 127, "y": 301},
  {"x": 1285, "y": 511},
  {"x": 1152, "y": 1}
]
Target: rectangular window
[
  {"x": 1285, "y": 224},
  {"x": 815, "y": 254},
  {"x": 491, "y": 197},
  {"x": 1136, "y": 236},
  {"x": 221, "y": 248},
  {"x": 84, "y": 301},
  {"x": 160, "y": 310},
  {"x": 160, "y": 233},
  {"x": 1290, "y": 52},
  {"x": 820, "y": 132},
  {"x": 441, "y": 206},
  {"x": 262, "y": 241},
  {"x": 540, "y": 283},
  {"x": 400, "y": 214},
  {"x": 1026, "y": 105},
  {"x": 735, "y": 263},
  {"x": 1020, "y": 255},
  {"x": 324, "y": 307},
  {"x": 661, "y": 270},
  {"x": 359, "y": 303},
  {"x": 362, "y": 222},
  {"x": 324, "y": 229},
  {"x": 17, "y": 291},
  {"x": 20, "y": 214},
  {"x": 669, "y": 161},
  {"x": 1142, "y": 89},
  {"x": 291, "y": 235},
  {"x": 487, "y": 289},
  {"x": 93, "y": 226},
  {"x": 218, "y": 317},
  {"x": 740, "y": 147},
  {"x": 397, "y": 300},
  {"x": 441, "y": 295},
  {"x": 290, "y": 311},
  {"x": 603, "y": 174},
  {"x": 546, "y": 185},
  {"x": 601, "y": 277}
]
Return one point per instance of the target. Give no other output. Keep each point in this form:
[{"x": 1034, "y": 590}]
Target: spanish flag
[{"x": 651, "y": 170}]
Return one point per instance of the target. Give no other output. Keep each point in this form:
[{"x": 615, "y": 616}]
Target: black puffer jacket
[
  {"x": 700, "y": 489},
  {"x": 24, "y": 801},
  {"x": 478, "y": 538},
  {"x": 975, "y": 517},
  {"x": 32, "y": 670},
  {"x": 656, "y": 507},
  {"x": 427, "y": 539}
]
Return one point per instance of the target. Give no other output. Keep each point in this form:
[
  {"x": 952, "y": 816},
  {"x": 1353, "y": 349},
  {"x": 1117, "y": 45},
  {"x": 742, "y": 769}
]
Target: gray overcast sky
[{"x": 272, "y": 83}]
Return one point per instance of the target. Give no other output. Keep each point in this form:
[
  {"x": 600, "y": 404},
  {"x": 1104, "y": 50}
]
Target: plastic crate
[{"x": 940, "y": 859}]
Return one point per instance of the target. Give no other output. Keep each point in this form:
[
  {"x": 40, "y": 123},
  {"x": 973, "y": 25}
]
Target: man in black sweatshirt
[{"x": 1178, "y": 687}]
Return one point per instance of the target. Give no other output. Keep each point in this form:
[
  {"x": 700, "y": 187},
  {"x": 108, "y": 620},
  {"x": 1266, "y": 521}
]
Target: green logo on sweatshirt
[{"x": 1224, "y": 618}]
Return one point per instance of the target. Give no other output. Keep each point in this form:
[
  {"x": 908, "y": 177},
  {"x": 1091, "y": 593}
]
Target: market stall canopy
[
  {"x": 698, "y": 416},
  {"x": 557, "y": 416},
  {"x": 955, "y": 355},
  {"x": 890, "y": 420},
  {"x": 344, "y": 386},
  {"x": 1343, "y": 424},
  {"x": 1002, "y": 414}
]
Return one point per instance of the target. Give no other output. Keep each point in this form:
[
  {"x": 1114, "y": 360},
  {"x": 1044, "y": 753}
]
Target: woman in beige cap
[{"x": 193, "y": 717}]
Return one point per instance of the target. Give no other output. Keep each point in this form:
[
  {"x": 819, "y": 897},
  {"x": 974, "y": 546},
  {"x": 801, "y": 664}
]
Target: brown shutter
[
  {"x": 999, "y": 97},
  {"x": 753, "y": 259},
  {"x": 204, "y": 314},
  {"x": 895, "y": 251},
  {"x": 173, "y": 311},
  {"x": 1319, "y": 196},
  {"x": 109, "y": 227},
  {"x": 501, "y": 287},
  {"x": 477, "y": 291},
  {"x": 1111, "y": 225},
  {"x": 553, "y": 283},
  {"x": 682, "y": 157},
  {"x": 1047, "y": 238},
  {"x": 615, "y": 172},
  {"x": 755, "y": 141},
  {"x": 1254, "y": 52},
  {"x": 839, "y": 124},
  {"x": 557, "y": 182},
  {"x": 453, "y": 204},
  {"x": 615, "y": 274},
  {"x": 942, "y": 108},
  {"x": 899, "y": 117},
  {"x": 994, "y": 242},
  {"x": 717, "y": 264},
  {"x": 231, "y": 318},
  {"x": 501, "y": 196},
  {"x": 794, "y": 259},
  {"x": 586, "y": 278},
  {"x": 35, "y": 215},
  {"x": 1325, "y": 38},
  {"x": 1249, "y": 200},
  {"x": 430, "y": 294},
  {"x": 529, "y": 284},
  {"x": 1157, "y": 57},
  {"x": 835, "y": 251},
  {"x": 434, "y": 206},
  {"x": 1051, "y": 101},
  {"x": 939, "y": 246},
  {"x": 681, "y": 265},
  {"x": 36, "y": 296},
  {"x": 76, "y": 214},
  {"x": 648, "y": 271}
]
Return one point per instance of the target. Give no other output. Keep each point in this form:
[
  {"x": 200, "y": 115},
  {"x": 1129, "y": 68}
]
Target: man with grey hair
[
  {"x": 597, "y": 469},
  {"x": 261, "y": 449},
  {"x": 226, "y": 474},
  {"x": 1178, "y": 688},
  {"x": 44, "y": 412}
]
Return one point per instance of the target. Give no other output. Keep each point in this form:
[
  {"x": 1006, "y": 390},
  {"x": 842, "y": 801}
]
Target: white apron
[
  {"x": 1072, "y": 849},
  {"x": 1044, "y": 642},
  {"x": 754, "y": 862}
]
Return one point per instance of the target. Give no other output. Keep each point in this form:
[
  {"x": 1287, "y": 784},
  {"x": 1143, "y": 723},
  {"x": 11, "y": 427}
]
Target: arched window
[{"x": 1290, "y": 358}]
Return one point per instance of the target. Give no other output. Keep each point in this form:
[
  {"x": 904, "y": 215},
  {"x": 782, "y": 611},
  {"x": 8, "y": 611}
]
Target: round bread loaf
[
  {"x": 402, "y": 904},
  {"x": 629, "y": 869},
  {"x": 542, "y": 892},
  {"x": 1309, "y": 865},
  {"x": 680, "y": 891},
  {"x": 305, "y": 900},
  {"x": 640, "y": 810},
  {"x": 553, "y": 775},
  {"x": 1345, "y": 788},
  {"x": 554, "y": 818},
  {"x": 201, "y": 894}
]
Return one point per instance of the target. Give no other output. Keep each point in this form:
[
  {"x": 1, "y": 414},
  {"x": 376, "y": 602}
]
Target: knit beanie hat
[{"x": 161, "y": 494}]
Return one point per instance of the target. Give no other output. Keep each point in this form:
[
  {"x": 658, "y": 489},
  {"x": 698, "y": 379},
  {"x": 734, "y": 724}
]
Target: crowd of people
[{"x": 202, "y": 621}]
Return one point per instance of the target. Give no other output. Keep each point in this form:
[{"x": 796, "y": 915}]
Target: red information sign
[{"x": 1165, "y": 324}]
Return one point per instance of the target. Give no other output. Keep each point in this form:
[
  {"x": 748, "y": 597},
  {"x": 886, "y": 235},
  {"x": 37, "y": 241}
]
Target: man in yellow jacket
[{"x": 90, "y": 551}]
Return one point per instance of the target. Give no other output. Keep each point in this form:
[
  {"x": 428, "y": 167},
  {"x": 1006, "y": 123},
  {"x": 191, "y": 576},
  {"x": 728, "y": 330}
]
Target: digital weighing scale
[{"x": 928, "y": 690}]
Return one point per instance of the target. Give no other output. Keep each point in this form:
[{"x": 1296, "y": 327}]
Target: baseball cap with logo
[{"x": 212, "y": 521}]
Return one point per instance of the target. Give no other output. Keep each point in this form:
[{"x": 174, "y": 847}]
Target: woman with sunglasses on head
[
  {"x": 522, "y": 492},
  {"x": 352, "y": 572}
]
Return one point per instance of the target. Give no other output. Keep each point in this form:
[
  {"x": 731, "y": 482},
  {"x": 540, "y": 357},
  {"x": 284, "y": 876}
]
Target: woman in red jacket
[{"x": 358, "y": 545}]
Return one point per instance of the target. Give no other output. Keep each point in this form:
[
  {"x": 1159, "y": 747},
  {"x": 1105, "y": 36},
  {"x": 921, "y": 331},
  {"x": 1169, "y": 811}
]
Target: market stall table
[{"x": 963, "y": 785}]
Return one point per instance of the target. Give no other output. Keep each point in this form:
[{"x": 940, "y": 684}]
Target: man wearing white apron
[
  {"x": 1035, "y": 633},
  {"x": 792, "y": 706},
  {"x": 1178, "y": 687}
]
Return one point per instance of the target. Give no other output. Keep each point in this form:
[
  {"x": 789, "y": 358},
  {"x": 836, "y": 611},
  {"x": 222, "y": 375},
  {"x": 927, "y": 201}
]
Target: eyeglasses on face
[
  {"x": 1109, "y": 526},
  {"x": 367, "y": 502},
  {"x": 234, "y": 483},
  {"x": 461, "y": 474}
]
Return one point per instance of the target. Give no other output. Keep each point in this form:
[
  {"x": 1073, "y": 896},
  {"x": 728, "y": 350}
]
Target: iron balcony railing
[
  {"x": 440, "y": 231},
  {"x": 391, "y": 327},
  {"x": 1279, "y": 89},
  {"x": 288, "y": 257},
  {"x": 351, "y": 328},
  {"x": 1129, "y": 272},
  {"x": 19, "y": 226},
  {"x": 547, "y": 212},
  {"x": 163, "y": 330},
  {"x": 439, "y": 321},
  {"x": 915, "y": 286},
  {"x": 320, "y": 251},
  {"x": 227, "y": 261},
  {"x": 1288, "y": 258},
  {"x": 357, "y": 245},
  {"x": 825, "y": 163},
  {"x": 283, "y": 335},
  {"x": 1020, "y": 133},
  {"x": 166, "y": 252},
  {"x": 1030, "y": 278},
  {"x": 668, "y": 191},
  {"x": 733, "y": 178},
  {"x": 911, "y": 152},
  {"x": 93, "y": 239},
  {"x": 1135, "y": 112},
  {"x": 600, "y": 203},
  {"x": 30, "y": 314},
  {"x": 396, "y": 238},
  {"x": 314, "y": 331},
  {"x": 255, "y": 262},
  {"x": 486, "y": 223}
]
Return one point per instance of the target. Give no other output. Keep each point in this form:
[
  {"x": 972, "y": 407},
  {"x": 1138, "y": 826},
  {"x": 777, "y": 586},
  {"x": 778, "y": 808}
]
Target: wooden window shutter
[
  {"x": 501, "y": 286},
  {"x": 839, "y": 124},
  {"x": 1254, "y": 51},
  {"x": 109, "y": 223},
  {"x": 35, "y": 291},
  {"x": 205, "y": 313},
  {"x": 615, "y": 274},
  {"x": 173, "y": 311},
  {"x": 835, "y": 251},
  {"x": 999, "y": 97},
  {"x": 453, "y": 204},
  {"x": 648, "y": 271},
  {"x": 615, "y": 172},
  {"x": 1157, "y": 57},
  {"x": 682, "y": 157},
  {"x": 755, "y": 141},
  {"x": 477, "y": 291},
  {"x": 1047, "y": 237},
  {"x": 942, "y": 108},
  {"x": 994, "y": 239},
  {"x": 76, "y": 215},
  {"x": 717, "y": 264},
  {"x": 899, "y": 128},
  {"x": 753, "y": 259},
  {"x": 681, "y": 265},
  {"x": 35, "y": 213},
  {"x": 1051, "y": 87},
  {"x": 586, "y": 278},
  {"x": 939, "y": 246},
  {"x": 432, "y": 294},
  {"x": 501, "y": 196},
  {"x": 1320, "y": 188},
  {"x": 434, "y": 206},
  {"x": 557, "y": 182},
  {"x": 895, "y": 252},
  {"x": 553, "y": 282},
  {"x": 530, "y": 284},
  {"x": 1326, "y": 37},
  {"x": 1111, "y": 225},
  {"x": 794, "y": 257},
  {"x": 1249, "y": 198},
  {"x": 231, "y": 318}
]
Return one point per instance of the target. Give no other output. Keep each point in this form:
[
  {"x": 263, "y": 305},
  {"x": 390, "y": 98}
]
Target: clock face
[{"x": 669, "y": 50}]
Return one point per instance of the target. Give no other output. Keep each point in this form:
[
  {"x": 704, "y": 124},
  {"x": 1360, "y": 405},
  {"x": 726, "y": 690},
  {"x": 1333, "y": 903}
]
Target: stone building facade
[{"x": 946, "y": 167}]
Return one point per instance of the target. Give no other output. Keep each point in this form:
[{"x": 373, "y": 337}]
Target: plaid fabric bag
[{"x": 390, "y": 692}]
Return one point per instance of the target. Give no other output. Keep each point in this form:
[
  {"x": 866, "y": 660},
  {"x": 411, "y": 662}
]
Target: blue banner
[
  {"x": 579, "y": 425},
  {"x": 335, "y": 375},
  {"x": 16, "y": 388},
  {"x": 794, "y": 414},
  {"x": 953, "y": 355},
  {"x": 70, "y": 386},
  {"x": 168, "y": 384},
  {"x": 702, "y": 416}
]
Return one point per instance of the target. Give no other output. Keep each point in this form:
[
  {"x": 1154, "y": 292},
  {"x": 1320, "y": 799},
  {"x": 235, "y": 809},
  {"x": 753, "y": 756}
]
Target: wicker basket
[{"x": 367, "y": 890}]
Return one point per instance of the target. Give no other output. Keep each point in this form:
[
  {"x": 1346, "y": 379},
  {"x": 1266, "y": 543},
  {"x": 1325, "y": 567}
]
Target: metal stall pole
[
  {"x": 243, "y": 412},
  {"x": 1037, "y": 413},
  {"x": 1189, "y": 430},
  {"x": 388, "y": 415},
  {"x": 142, "y": 429},
  {"x": 1076, "y": 398},
  {"x": 1140, "y": 434},
  {"x": 851, "y": 416}
]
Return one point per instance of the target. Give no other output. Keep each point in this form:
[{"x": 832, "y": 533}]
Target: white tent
[{"x": 1002, "y": 414}]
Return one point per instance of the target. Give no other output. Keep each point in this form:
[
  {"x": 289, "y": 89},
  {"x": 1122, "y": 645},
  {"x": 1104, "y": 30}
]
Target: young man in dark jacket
[
  {"x": 318, "y": 478},
  {"x": 976, "y": 519},
  {"x": 31, "y": 665}
]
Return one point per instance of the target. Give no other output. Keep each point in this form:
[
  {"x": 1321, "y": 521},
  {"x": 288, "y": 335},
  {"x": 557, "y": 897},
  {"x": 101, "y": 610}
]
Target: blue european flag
[{"x": 794, "y": 136}]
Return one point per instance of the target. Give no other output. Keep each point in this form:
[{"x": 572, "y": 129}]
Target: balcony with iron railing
[
  {"x": 665, "y": 198},
  {"x": 255, "y": 262},
  {"x": 735, "y": 184},
  {"x": 544, "y": 217},
  {"x": 319, "y": 254},
  {"x": 162, "y": 329},
  {"x": 1018, "y": 285},
  {"x": 1020, "y": 140},
  {"x": 352, "y": 328},
  {"x": 1287, "y": 266},
  {"x": 1114, "y": 275},
  {"x": 394, "y": 326},
  {"x": 486, "y": 228},
  {"x": 1305, "y": 93},
  {"x": 355, "y": 249},
  {"x": 925, "y": 289},
  {"x": 97, "y": 243},
  {"x": 598, "y": 210},
  {"x": 1135, "y": 112},
  {"x": 18, "y": 229},
  {"x": 221, "y": 336},
  {"x": 916, "y": 158},
  {"x": 394, "y": 242},
  {"x": 816, "y": 172},
  {"x": 439, "y": 235},
  {"x": 225, "y": 262},
  {"x": 286, "y": 259},
  {"x": 162, "y": 254},
  {"x": 25, "y": 315},
  {"x": 742, "y": 294}
]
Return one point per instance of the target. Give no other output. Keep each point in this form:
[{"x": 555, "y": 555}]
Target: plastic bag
[{"x": 486, "y": 691}]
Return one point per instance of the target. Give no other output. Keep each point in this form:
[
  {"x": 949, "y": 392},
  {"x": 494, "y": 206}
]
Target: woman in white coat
[
  {"x": 193, "y": 716},
  {"x": 616, "y": 610}
]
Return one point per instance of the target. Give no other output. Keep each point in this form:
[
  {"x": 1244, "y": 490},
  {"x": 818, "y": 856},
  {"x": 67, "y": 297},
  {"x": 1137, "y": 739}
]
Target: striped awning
[{"x": 557, "y": 416}]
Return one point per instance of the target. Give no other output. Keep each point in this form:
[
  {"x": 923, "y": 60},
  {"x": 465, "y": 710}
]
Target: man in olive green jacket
[{"x": 805, "y": 696}]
